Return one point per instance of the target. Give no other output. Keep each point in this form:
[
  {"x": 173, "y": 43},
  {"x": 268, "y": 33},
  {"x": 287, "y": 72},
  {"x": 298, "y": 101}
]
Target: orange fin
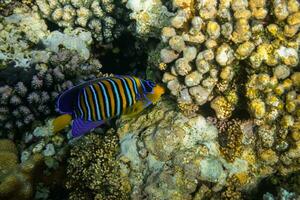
[{"x": 61, "y": 122}]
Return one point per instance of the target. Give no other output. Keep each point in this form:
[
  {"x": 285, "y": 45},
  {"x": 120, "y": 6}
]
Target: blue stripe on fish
[
  {"x": 117, "y": 95},
  {"x": 128, "y": 94},
  {"x": 134, "y": 85},
  {"x": 97, "y": 106},
  {"x": 107, "y": 106},
  {"x": 79, "y": 107}
]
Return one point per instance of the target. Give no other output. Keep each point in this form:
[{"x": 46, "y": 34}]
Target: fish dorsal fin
[{"x": 65, "y": 102}]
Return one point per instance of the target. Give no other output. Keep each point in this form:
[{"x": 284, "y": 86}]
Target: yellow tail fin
[{"x": 59, "y": 123}]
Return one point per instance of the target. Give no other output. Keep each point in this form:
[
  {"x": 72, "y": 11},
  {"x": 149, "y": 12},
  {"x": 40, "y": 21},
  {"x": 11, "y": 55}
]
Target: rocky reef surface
[{"x": 227, "y": 128}]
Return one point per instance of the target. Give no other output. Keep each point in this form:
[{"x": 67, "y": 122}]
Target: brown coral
[
  {"x": 16, "y": 180},
  {"x": 93, "y": 171},
  {"x": 230, "y": 137}
]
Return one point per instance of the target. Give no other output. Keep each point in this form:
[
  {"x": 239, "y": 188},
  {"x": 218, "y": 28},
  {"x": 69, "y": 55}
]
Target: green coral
[{"x": 93, "y": 170}]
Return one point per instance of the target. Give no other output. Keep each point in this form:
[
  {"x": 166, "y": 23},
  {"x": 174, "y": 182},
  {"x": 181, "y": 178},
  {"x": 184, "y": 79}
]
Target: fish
[{"x": 95, "y": 102}]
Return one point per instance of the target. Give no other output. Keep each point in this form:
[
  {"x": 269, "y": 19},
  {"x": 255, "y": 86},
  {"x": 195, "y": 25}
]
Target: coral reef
[
  {"x": 167, "y": 155},
  {"x": 208, "y": 47},
  {"x": 19, "y": 32},
  {"x": 46, "y": 141},
  {"x": 104, "y": 18},
  {"x": 149, "y": 17},
  {"x": 229, "y": 136},
  {"x": 282, "y": 194},
  {"x": 93, "y": 171},
  {"x": 16, "y": 180},
  {"x": 231, "y": 65},
  {"x": 30, "y": 96},
  {"x": 50, "y": 141}
]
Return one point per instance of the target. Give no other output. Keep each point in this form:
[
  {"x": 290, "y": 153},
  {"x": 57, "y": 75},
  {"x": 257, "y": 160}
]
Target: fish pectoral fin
[
  {"x": 138, "y": 107},
  {"x": 80, "y": 127}
]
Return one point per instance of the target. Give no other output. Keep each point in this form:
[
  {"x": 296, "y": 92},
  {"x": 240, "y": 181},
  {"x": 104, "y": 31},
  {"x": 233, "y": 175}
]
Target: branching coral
[
  {"x": 19, "y": 32},
  {"x": 101, "y": 17},
  {"x": 93, "y": 171},
  {"x": 29, "y": 98}
]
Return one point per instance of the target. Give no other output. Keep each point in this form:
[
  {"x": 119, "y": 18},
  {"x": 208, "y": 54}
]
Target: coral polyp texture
[
  {"x": 93, "y": 169},
  {"x": 209, "y": 45},
  {"x": 169, "y": 156},
  {"x": 102, "y": 17}
]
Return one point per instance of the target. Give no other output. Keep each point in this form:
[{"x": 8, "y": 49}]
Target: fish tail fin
[
  {"x": 60, "y": 122},
  {"x": 81, "y": 127}
]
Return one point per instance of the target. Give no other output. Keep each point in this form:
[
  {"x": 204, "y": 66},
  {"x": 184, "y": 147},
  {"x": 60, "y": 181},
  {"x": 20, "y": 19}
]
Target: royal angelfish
[{"x": 92, "y": 103}]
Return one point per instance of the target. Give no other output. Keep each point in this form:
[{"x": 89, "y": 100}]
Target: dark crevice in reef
[
  {"x": 51, "y": 25},
  {"x": 127, "y": 57},
  {"x": 206, "y": 110},
  {"x": 15, "y": 74},
  {"x": 241, "y": 78},
  {"x": 273, "y": 184}
]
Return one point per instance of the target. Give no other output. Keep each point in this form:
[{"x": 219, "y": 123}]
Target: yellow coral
[
  {"x": 16, "y": 179},
  {"x": 258, "y": 108}
]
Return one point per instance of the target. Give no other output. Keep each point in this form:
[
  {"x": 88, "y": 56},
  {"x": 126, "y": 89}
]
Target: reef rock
[
  {"x": 167, "y": 155},
  {"x": 16, "y": 179}
]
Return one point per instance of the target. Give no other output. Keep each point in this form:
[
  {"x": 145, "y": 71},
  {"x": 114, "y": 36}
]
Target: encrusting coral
[
  {"x": 93, "y": 171},
  {"x": 167, "y": 155},
  {"x": 104, "y": 18},
  {"x": 31, "y": 97},
  {"x": 16, "y": 180}
]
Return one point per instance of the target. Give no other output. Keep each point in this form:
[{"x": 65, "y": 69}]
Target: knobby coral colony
[
  {"x": 104, "y": 18},
  {"x": 31, "y": 96},
  {"x": 209, "y": 45}
]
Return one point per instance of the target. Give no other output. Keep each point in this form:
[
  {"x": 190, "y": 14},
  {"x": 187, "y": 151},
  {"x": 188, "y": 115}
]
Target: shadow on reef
[
  {"x": 129, "y": 56},
  {"x": 274, "y": 183}
]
